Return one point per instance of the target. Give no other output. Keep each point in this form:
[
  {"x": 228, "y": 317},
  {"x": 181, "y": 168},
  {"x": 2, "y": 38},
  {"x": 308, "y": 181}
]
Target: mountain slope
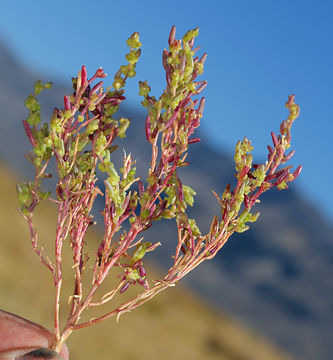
[
  {"x": 174, "y": 325},
  {"x": 274, "y": 277}
]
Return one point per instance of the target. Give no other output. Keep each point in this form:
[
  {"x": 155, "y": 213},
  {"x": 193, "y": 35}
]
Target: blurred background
[{"x": 269, "y": 292}]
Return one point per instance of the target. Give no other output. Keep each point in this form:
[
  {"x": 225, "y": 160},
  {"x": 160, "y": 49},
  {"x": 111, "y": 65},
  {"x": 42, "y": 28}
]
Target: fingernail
[
  {"x": 41, "y": 353},
  {"x": 31, "y": 354}
]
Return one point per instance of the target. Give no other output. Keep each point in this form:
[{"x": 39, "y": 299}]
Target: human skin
[{"x": 19, "y": 337}]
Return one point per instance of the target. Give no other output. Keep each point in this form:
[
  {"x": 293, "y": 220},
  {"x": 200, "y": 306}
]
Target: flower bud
[
  {"x": 124, "y": 287},
  {"x": 100, "y": 73},
  {"x": 29, "y": 133},
  {"x": 83, "y": 75},
  {"x": 67, "y": 102},
  {"x": 297, "y": 171},
  {"x": 274, "y": 139},
  {"x": 142, "y": 271},
  {"x": 172, "y": 35}
]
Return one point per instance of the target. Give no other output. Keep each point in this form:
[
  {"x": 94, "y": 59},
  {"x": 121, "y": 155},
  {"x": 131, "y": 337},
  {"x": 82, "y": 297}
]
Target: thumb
[{"x": 20, "y": 336}]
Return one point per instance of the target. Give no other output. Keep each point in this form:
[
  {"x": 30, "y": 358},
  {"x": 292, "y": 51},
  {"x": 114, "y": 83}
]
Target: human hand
[{"x": 21, "y": 339}]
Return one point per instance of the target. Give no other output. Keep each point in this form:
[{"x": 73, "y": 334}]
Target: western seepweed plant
[{"x": 80, "y": 137}]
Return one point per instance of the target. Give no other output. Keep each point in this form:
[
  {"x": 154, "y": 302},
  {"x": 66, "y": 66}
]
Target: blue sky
[{"x": 259, "y": 52}]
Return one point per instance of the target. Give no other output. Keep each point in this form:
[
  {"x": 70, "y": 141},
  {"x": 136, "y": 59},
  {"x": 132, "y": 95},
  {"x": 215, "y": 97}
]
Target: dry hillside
[{"x": 174, "y": 325}]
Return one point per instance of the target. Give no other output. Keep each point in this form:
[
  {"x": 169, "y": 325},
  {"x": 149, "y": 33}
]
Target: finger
[
  {"x": 31, "y": 354},
  {"x": 41, "y": 353},
  {"x": 19, "y": 333}
]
